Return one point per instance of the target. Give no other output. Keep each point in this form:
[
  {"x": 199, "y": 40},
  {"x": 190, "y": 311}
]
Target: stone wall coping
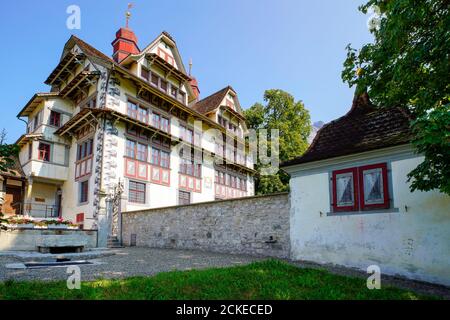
[{"x": 277, "y": 194}]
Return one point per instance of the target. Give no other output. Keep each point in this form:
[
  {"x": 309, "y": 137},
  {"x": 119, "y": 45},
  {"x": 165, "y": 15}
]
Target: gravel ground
[{"x": 125, "y": 262}]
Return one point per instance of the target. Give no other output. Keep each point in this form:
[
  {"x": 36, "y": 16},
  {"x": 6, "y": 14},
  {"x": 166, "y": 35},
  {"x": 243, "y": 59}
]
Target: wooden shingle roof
[{"x": 364, "y": 128}]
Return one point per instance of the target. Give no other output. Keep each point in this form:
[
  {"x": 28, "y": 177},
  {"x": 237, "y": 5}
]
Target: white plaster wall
[
  {"x": 71, "y": 192},
  {"x": 414, "y": 243}
]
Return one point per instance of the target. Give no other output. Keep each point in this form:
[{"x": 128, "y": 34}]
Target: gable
[{"x": 165, "y": 47}]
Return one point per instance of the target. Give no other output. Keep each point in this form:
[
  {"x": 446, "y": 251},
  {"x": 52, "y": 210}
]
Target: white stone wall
[{"x": 413, "y": 242}]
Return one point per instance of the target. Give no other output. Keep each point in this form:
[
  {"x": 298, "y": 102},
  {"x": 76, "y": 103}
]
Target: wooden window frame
[
  {"x": 133, "y": 113},
  {"x": 55, "y": 118},
  {"x": 137, "y": 192},
  {"x": 143, "y": 71},
  {"x": 384, "y": 175},
  {"x": 354, "y": 207},
  {"x": 358, "y": 189},
  {"x": 44, "y": 153},
  {"x": 84, "y": 193},
  {"x": 184, "y": 192}
]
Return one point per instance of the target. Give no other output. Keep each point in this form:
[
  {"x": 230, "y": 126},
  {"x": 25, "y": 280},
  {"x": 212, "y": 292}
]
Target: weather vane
[{"x": 128, "y": 13}]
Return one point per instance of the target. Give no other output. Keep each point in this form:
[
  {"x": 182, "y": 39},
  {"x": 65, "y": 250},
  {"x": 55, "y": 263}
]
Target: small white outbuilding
[{"x": 351, "y": 203}]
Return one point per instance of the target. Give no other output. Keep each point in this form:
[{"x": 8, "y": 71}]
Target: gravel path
[{"x": 125, "y": 262}]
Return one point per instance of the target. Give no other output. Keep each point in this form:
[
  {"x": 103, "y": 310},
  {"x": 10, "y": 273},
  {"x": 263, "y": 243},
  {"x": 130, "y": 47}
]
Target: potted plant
[
  {"x": 58, "y": 223},
  {"x": 40, "y": 225},
  {"x": 55, "y": 224},
  {"x": 19, "y": 223},
  {"x": 73, "y": 226}
]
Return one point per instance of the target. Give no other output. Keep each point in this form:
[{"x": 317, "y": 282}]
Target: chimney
[
  {"x": 194, "y": 84},
  {"x": 124, "y": 44}
]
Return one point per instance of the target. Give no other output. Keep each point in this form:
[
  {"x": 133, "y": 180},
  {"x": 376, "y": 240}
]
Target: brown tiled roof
[
  {"x": 91, "y": 51},
  {"x": 211, "y": 102},
  {"x": 364, "y": 128}
]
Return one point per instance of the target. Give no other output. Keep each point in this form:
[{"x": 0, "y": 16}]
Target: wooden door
[{"x": 13, "y": 199}]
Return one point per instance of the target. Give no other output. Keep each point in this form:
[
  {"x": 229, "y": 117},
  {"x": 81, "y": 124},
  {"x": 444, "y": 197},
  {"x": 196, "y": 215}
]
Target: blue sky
[{"x": 253, "y": 45}]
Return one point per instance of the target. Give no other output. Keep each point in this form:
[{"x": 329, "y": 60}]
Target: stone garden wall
[{"x": 256, "y": 225}]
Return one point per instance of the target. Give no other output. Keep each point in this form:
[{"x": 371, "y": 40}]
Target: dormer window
[
  {"x": 181, "y": 96},
  {"x": 145, "y": 73},
  {"x": 163, "y": 85},
  {"x": 55, "y": 118},
  {"x": 174, "y": 91},
  {"x": 155, "y": 79}
]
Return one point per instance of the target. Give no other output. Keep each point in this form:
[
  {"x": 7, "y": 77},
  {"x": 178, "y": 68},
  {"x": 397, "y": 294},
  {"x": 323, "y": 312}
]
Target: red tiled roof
[{"x": 364, "y": 128}]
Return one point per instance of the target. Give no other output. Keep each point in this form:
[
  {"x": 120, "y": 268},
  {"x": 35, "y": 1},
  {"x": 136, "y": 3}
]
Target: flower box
[
  {"x": 40, "y": 227},
  {"x": 57, "y": 226},
  {"x": 19, "y": 226}
]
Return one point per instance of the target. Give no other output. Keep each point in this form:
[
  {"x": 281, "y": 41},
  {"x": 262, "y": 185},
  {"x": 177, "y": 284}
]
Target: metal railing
[{"x": 37, "y": 210}]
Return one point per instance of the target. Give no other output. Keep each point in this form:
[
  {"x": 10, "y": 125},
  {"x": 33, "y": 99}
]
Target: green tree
[
  {"x": 7, "y": 152},
  {"x": 281, "y": 112},
  {"x": 409, "y": 65}
]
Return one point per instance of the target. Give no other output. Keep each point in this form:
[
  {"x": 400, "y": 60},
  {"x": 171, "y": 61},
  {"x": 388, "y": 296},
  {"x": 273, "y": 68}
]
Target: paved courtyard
[{"x": 120, "y": 263}]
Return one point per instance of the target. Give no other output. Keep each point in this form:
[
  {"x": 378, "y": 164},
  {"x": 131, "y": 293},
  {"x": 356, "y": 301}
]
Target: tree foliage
[
  {"x": 291, "y": 118},
  {"x": 7, "y": 151},
  {"x": 409, "y": 65}
]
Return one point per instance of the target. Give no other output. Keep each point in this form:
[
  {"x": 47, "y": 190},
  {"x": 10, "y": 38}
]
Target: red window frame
[
  {"x": 385, "y": 204},
  {"x": 141, "y": 152},
  {"x": 358, "y": 188},
  {"x": 142, "y": 114},
  {"x": 130, "y": 148},
  {"x": 137, "y": 193},
  {"x": 132, "y": 109},
  {"x": 85, "y": 149},
  {"x": 165, "y": 124},
  {"x": 354, "y": 207},
  {"x": 44, "y": 151},
  {"x": 55, "y": 118},
  {"x": 84, "y": 191},
  {"x": 156, "y": 120}
]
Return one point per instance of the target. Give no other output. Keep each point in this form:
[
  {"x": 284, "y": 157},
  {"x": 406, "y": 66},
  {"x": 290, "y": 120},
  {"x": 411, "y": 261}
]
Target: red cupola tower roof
[{"x": 124, "y": 44}]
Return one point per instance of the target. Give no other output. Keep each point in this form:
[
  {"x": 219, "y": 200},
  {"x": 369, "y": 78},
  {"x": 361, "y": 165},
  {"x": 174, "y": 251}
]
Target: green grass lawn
[{"x": 270, "y": 279}]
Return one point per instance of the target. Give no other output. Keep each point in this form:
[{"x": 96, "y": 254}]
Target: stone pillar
[{"x": 102, "y": 221}]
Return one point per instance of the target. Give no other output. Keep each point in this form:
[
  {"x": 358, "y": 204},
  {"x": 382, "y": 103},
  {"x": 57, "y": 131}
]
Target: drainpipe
[{"x": 26, "y": 122}]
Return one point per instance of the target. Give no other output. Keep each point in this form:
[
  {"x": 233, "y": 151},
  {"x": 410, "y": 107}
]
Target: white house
[
  {"x": 351, "y": 203},
  {"x": 136, "y": 119}
]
